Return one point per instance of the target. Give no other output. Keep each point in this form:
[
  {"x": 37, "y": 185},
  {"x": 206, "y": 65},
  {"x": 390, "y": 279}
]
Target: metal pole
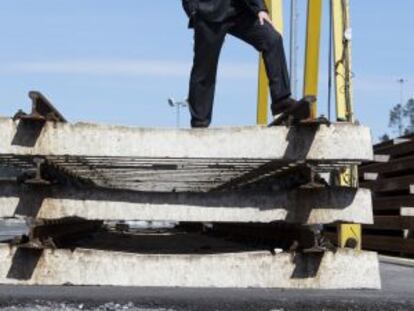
[
  {"x": 343, "y": 62},
  {"x": 177, "y": 105},
  {"x": 313, "y": 38},
  {"x": 330, "y": 60},
  {"x": 293, "y": 45},
  {"x": 350, "y": 235},
  {"x": 178, "y": 115},
  {"x": 401, "y": 82}
]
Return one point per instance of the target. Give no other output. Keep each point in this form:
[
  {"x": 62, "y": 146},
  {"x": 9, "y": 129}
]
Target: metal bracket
[
  {"x": 42, "y": 110},
  {"x": 53, "y": 234},
  {"x": 38, "y": 178},
  {"x": 45, "y": 173},
  {"x": 320, "y": 244},
  {"x": 321, "y": 120},
  {"x": 314, "y": 179},
  {"x": 56, "y": 233}
]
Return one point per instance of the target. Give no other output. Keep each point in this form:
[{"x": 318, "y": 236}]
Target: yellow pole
[
  {"x": 313, "y": 39},
  {"x": 275, "y": 8},
  {"x": 350, "y": 235},
  {"x": 342, "y": 57}
]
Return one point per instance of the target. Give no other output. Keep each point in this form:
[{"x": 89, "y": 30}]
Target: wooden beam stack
[{"x": 391, "y": 179}]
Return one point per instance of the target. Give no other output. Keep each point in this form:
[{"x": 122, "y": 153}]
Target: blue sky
[{"x": 118, "y": 61}]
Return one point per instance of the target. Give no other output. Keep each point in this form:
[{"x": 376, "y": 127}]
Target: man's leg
[
  {"x": 208, "y": 40},
  {"x": 267, "y": 40}
]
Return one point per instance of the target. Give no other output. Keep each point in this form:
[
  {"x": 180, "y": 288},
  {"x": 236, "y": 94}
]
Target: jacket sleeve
[
  {"x": 190, "y": 6},
  {"x": 256, "y": 5}
]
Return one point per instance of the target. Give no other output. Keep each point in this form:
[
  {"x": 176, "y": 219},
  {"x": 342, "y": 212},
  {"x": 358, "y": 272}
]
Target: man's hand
[{"x": 264, "y": 17}]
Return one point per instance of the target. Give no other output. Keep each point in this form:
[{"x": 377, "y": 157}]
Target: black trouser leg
[
  {"x": 277, "y": 71},
  {"x": 208, "y": 40},
  {"x": 268, "y": 41}
]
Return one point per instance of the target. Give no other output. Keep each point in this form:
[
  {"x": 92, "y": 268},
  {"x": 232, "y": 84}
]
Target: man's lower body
[{"x": 208, "y": 41}]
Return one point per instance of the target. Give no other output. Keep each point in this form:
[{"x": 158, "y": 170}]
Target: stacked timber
[{"x": 391, "y": 179}]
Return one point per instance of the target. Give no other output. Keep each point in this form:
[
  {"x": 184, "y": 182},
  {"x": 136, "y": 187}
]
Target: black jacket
[{"x": 218, "y": 10}]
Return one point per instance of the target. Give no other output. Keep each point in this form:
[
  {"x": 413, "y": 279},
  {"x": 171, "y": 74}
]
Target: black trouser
[{"x": 208, "y": 41}]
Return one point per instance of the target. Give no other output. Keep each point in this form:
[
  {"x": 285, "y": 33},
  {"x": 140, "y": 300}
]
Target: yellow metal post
[
  {"x": 342, "y": 56},
  {"x": 275, "y": 8},
  {"x": 350, "y": 235},
  {"x": 313, "y": 38}
]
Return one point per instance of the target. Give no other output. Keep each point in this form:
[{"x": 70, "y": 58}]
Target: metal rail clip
[{"x": 42, "y": 110}]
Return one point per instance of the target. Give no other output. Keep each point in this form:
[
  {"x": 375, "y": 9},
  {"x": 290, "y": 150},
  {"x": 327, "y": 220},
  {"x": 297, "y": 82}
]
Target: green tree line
[{"x": 401, "y": 120}]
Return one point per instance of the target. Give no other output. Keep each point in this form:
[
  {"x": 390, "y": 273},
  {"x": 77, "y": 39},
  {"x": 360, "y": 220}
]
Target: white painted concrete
[
  {"x": 304, "y": 206},
  {"x": 397, "y": 261},
  {"x": 343, "y": 270},
  {"x": 407, "y": 211},
  {"x": 336, "y": 142}
]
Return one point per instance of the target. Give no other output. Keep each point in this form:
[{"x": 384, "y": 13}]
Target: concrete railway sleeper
[{"x": 250, "y": 202}]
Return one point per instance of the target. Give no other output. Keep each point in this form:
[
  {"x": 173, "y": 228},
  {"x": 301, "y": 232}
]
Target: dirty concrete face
[
  {"x": 278, "y": 143},
  {"x": 164, "y": 166},
  {"x": 302, "y": 206},
  {"x": 343, "y": 269},
  {"x": 166, "y": 160}
]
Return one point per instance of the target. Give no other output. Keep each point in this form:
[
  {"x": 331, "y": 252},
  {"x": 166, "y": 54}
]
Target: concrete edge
[
  {"x": 345, "y": 269},
  {"x": 336, "y": 205},
  {"x": 397, "y": 261},
  {"x": 322, "y": 143}
]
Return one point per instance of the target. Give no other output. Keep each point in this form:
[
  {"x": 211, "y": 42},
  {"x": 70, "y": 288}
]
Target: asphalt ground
[{"x": 397, "y": 294}]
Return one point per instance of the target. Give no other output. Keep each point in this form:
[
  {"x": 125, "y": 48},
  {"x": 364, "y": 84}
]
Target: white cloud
[{"x": 153, "y": 68}]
